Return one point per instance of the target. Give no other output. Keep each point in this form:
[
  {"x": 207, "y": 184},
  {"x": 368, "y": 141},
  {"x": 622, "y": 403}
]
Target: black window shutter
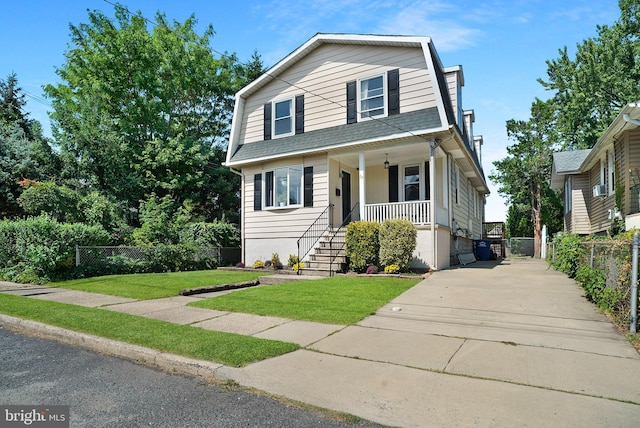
[
  {"x": 267, "y": 121},
  {"x": 393, "y": 92},
  {"x": 300, "y": 114},
  {"x": 427, "y": 181},
  {"x": 257, "y": 192},
  {"x": 351, "y": 102},
  {"x": 393, "y": 183},
  {"x": 308, "y": 186}
]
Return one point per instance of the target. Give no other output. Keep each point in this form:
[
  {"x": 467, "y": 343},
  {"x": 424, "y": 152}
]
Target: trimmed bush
[
  {"x": 362, "y": 244},
  {"x": 397, "y": 243}
]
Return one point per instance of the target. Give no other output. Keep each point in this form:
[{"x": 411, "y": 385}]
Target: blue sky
[{"x": 502, "y": 45}]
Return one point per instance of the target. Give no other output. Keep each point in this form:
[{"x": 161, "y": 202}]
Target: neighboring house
[
  {"x": 357, "y": 127},
  {"x": 593, "y": 179}
]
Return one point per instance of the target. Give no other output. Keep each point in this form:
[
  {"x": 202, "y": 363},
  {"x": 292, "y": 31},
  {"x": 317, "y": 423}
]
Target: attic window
[
  {"x": 283, "y": 118},
  {"x": 371, "y": 96}
]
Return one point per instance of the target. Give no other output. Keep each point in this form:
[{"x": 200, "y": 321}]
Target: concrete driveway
[{"x": 492, "y": 344}]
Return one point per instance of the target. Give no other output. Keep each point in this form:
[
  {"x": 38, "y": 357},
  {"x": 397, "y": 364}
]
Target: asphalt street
[{"x": 105, "y": 391}]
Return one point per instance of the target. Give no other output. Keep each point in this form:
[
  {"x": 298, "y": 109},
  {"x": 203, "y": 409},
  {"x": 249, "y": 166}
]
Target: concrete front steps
[{"x": 328, "y": 256}]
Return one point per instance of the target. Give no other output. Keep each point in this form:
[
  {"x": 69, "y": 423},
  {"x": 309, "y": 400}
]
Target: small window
[
  {"x": 283, "y": 187},
  {"x": 567, "y": 195},
  {"x": 371, "y": 96},
  {"x": 412, "y": 183},
  {"x": 611, "y": 171},
  {"x": 283, "y": 118}
]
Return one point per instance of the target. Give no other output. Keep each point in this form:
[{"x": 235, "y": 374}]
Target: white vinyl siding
[
  {"x": 290, "y": 222},
  {"x": 323, "y": 74}
]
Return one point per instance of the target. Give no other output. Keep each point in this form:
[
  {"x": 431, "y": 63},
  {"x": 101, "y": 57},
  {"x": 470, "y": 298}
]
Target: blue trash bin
[{"x": 483, "y": 249}]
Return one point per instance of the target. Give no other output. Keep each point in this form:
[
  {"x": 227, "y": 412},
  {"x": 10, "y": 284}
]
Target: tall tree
[
  {"x": 590, "y": 88},
  {"x": 143, "y": 106},
  {"x": 12, "y": 103},
  {"x": 526, "y": 171},
  {"x": 24, "y": 152}
]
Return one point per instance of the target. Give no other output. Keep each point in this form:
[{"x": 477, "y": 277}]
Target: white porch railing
[{"x": 417, "y": 212}]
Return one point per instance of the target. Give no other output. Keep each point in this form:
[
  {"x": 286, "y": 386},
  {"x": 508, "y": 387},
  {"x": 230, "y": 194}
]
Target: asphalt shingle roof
[
  {"x": 570, "y": 161},
  {"x": 336, "y": 136}
]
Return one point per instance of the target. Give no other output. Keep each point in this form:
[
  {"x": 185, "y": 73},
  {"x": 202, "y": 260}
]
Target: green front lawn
[
  {"x": 225, "y": 348},
  {"x": 156, "y": 285},
  {"x": 336, "y": 300}
]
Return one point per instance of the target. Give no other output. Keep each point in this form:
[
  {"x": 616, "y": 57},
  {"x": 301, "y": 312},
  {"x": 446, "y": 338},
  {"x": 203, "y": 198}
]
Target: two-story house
[{"x": 357, "y": 127}]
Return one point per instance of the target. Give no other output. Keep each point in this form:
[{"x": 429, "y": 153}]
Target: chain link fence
[
  {"x": 613, "y": 259},
  {"x": 225, "y": 256}
]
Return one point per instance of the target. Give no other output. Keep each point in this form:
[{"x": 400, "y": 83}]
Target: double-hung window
[
  {"x": 283, "y": 187},
  {"x": 371, "y": 95},
  {"x": 283, "y": 118}
]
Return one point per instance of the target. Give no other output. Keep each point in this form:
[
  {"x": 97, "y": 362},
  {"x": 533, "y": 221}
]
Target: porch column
[
  {"x": 362, "y": 192},
  {"x": 432, "y": 204}
]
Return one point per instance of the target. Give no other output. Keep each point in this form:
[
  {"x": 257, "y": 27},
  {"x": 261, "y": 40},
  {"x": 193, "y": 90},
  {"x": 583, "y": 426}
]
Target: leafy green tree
[
  {"x": 590, "y": 88},
  {"x": 47, "y": 197},
  {"x": 525, "y": 173},
  {"x": 142, "y": 106}
]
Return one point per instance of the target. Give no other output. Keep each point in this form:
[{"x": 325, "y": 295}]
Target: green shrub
[
  {"x": 258, "y": 264},
  {"x": 297, "y": 266},
  {"x": 568, "y": 252},
  {"x": 39, "y": 249},
  {"x": 592, "y": 281},
  {"x": 215, "y": 234},
  {"x": 362, "y": 244},
  {"x": 293, "y": 260},
  {"x": 397, "y": 243}
]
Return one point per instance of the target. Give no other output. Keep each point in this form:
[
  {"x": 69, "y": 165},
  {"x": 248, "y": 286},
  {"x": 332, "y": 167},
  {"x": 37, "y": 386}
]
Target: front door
[{"x": 346, "y": 197}]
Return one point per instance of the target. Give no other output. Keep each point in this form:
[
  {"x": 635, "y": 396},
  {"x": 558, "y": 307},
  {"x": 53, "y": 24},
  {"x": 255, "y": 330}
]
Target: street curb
[{"x": 149, "y": 357}]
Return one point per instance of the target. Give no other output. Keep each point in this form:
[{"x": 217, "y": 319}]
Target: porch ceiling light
[{"x": 386, "y": 161}]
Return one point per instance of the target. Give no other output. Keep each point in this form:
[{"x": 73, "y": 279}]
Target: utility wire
[{"x": 306, "y": 91}]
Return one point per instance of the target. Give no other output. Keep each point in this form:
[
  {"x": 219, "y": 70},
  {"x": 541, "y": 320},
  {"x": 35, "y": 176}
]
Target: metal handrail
[
  {"x": 314, "y": 233},
  {"x": 351, "y": 217}
]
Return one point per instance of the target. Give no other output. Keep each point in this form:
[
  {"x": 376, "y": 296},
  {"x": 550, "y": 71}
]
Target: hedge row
[{"x": 41, "y": 249}]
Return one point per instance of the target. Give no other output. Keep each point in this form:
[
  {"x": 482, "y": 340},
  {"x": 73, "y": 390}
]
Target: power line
[
  {"x": 306, "y": 91},
  {"x": 37, "y": 98}
]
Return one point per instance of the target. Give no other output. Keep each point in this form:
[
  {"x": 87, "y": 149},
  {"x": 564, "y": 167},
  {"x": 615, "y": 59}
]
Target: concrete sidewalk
[{"x": 492, "y": 344}]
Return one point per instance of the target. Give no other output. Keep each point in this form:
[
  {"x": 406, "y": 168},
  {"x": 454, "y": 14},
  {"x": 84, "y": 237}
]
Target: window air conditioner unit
[{"x": 598, "y": 190}]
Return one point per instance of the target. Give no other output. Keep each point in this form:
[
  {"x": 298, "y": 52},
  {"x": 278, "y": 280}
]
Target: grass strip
[
  {"x": 225, "y": 348},
  {"x": 336, "y": 300},
  {"x": 155, "y": 285}
]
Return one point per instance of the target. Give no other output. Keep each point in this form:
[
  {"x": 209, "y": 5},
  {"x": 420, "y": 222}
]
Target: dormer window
[
  {"x": 283, "y": 118},
  {"x": 371, "y": 95}
]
